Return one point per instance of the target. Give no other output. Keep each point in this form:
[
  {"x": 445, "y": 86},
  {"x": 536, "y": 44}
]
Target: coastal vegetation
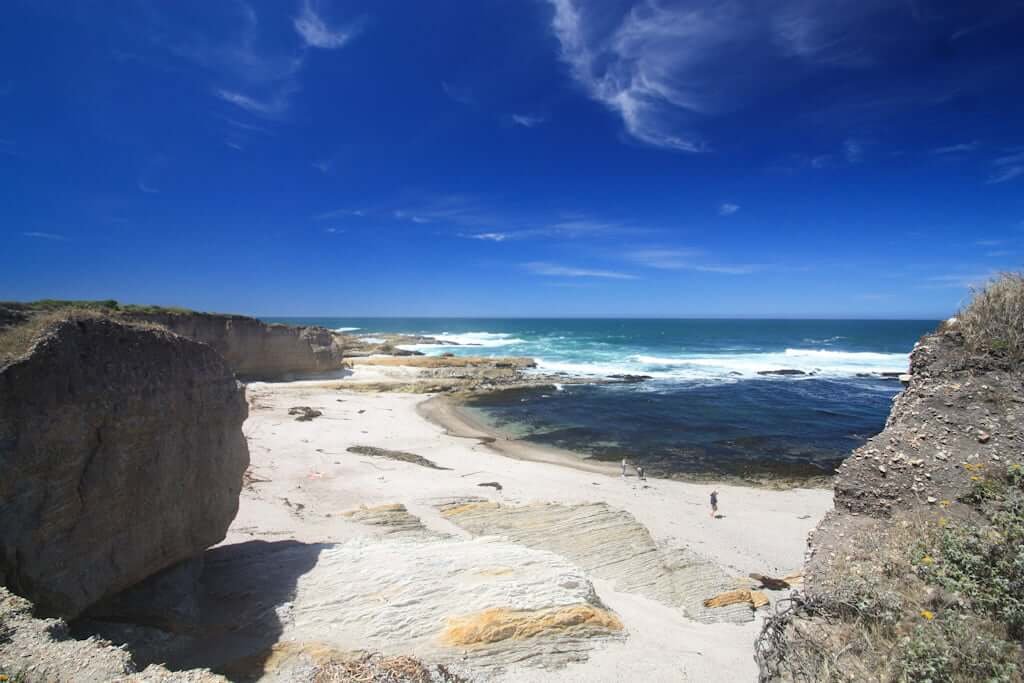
[{"x": 993, "y": 322}]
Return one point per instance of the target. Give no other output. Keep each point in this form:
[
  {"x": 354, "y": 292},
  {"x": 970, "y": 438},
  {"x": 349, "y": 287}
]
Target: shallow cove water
[{"x": 706, "y": 407}]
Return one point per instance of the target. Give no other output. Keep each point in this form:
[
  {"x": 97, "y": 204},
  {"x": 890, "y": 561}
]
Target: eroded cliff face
[
  {"x": 122, "y": 454},
  {"x": 254, "y": 349},
  {"x": 956, "y": 429}
]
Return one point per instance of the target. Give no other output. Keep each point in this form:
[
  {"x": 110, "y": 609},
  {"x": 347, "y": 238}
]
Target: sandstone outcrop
[
  {"x": 122, "y": 454},
  {"x": 254, "y": 349}
]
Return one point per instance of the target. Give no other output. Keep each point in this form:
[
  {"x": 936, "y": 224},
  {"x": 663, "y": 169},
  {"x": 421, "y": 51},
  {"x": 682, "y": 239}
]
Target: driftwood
[{"x": 493, "y": 484}]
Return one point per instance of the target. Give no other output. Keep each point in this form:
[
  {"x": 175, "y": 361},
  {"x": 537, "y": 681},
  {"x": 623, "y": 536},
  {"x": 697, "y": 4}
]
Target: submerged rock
[{"x": 122, "y": 454}]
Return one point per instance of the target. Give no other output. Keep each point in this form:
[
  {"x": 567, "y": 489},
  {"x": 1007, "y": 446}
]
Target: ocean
[{"x": 705, "y": 410}]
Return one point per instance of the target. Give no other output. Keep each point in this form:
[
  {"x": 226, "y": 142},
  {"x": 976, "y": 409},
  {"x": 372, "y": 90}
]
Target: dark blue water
[{"x": 706, "y": 408}]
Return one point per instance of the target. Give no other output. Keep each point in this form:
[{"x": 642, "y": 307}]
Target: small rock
[
  {"x": 932, "y": 500},
  {"x": 983, "y": 437}
]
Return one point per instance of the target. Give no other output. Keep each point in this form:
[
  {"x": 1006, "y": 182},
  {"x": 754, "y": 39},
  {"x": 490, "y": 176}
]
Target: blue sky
[{"x": 512, "y": 157}]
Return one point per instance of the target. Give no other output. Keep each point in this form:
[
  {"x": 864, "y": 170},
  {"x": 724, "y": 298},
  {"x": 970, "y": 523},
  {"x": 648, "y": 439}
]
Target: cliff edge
[
  {"x": 918, "y": 572},
  {"x": 254, "y": 350}
]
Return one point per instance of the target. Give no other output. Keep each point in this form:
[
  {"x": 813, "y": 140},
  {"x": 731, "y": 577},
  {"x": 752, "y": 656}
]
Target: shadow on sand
[{"x": 241, "y": 593}]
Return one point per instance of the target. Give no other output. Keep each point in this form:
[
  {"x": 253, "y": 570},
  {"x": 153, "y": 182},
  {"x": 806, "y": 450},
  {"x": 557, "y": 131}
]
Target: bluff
[
  {"x": 122, "y": 454},
  {"x": 254, "y": 349},
  {"x": 918, "y": 572}
]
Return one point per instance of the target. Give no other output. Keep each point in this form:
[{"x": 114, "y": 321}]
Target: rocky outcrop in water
[
  {"x": 122, "y": 454},
  {"x": 254, "y": 349}
]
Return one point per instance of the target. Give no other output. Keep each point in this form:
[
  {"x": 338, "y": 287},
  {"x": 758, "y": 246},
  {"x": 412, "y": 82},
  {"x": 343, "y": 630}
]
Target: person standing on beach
[
  {"x": 714, "y": 503},
  {"x": 640, "y": 473},
  {"x": 625, "y": 463}
]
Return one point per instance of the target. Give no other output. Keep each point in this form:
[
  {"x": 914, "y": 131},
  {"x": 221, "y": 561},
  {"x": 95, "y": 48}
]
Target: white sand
[{"x": 309, "y": 479}]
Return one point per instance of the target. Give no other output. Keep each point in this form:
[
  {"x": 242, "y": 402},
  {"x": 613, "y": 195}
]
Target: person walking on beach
[
  {"x": 640, "y": 473},
  {"x": 714, "y": 503},
  {"x": 625, "y": 464}
]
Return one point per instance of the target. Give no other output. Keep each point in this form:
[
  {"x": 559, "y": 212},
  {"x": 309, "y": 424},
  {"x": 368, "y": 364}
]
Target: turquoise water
[{"x": 706, "y": 408}]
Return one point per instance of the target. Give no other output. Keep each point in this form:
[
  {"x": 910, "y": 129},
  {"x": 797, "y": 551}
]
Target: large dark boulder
[{"x": 121, "y": 454}]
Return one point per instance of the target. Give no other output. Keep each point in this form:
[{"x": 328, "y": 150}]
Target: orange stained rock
[
  {"x": 755, "y": 598},
  {"x": 497, "y": 624}
]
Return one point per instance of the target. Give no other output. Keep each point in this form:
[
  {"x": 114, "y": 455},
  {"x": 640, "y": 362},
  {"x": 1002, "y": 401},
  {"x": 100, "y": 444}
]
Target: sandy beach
[{"x": 305, "y": 485}]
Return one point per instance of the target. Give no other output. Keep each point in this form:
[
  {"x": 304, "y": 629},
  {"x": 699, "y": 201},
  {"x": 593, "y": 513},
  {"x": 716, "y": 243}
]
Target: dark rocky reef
[{"x": 122, "y": 454}]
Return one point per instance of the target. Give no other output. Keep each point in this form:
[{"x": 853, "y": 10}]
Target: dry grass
[
  {"x": 375, "y": 668},
  {"x": 18, "y": 340},
  {"x": 993, "y": 322}
]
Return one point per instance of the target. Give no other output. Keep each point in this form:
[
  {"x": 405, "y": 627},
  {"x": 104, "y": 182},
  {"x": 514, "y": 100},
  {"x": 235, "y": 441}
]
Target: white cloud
[
  {"x": 275, "y": 105},
  {"x": 666, "y": 66},
  {"x": 325, "y": 166},
  {"x": 333, "y": 231},
  {"x": 957, "y": 149},
  {"x": 527, "y": 120},
  {"x": 490, "y": 236},
  {"x": 316, "y": 33},
  {"x": 1007, "y": 167},
  {"x": 853, "y": 151},
  {"x": 43, "y": 235},
  {"x": 555, "y": 270},
  {"x": 728, "y": 209},
  {"x": 143, "y": 187},
  {"x": 964, "y": 281},
  {"x": 684, "y": 259}
]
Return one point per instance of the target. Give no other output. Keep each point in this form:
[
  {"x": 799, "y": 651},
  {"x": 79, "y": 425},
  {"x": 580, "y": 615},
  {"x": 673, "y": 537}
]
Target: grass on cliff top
[
  {"x": 993, "y": 322},
  {"x": 102, "y": 306},
  {"x": 19, "y": 338}
]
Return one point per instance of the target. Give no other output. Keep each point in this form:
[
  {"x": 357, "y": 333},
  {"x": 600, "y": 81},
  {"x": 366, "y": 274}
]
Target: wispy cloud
[
  {"x": 1007, "y": 167},
  {"x": 410, "y": 216},
  {"x": 325, "y": 166},
  {"x": 340, "y": 212},
  {"x": 665, "y": 68},
  {"x": 489, "y": 236},
  {"x": 989, "y": 243},
  {"x": 43, "y": 235},
  {"x": 143, "y": 187},
  {"x": 527, "y": 120},
  {"x": 333, "y": 231},
  {"x": 556, "y": 270},
  {"x": 853, "y": 151},
  {"x": 235, "y": 145},
  {"x": 251, "y": 68},
  {"x": 684, "y": 259},
  {"x": 960, "y": 281},
  {"x": 273, "y": 105},
  {"x": 317, "y": 33},
  {"x": 961, "y": 148},
  {"x": 458, "y": 93},
  {"x": 728, "y": 209}
]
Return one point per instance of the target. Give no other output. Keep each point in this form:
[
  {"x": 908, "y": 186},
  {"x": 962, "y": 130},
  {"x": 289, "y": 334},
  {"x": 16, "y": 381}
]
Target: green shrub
[{"x": 956, "y": 648}]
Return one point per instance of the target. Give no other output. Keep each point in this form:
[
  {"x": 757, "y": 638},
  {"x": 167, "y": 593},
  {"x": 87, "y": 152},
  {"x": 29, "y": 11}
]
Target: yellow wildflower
[
  {"x": 928, "y": 560},
  {"x": 927, "y": 614}
]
